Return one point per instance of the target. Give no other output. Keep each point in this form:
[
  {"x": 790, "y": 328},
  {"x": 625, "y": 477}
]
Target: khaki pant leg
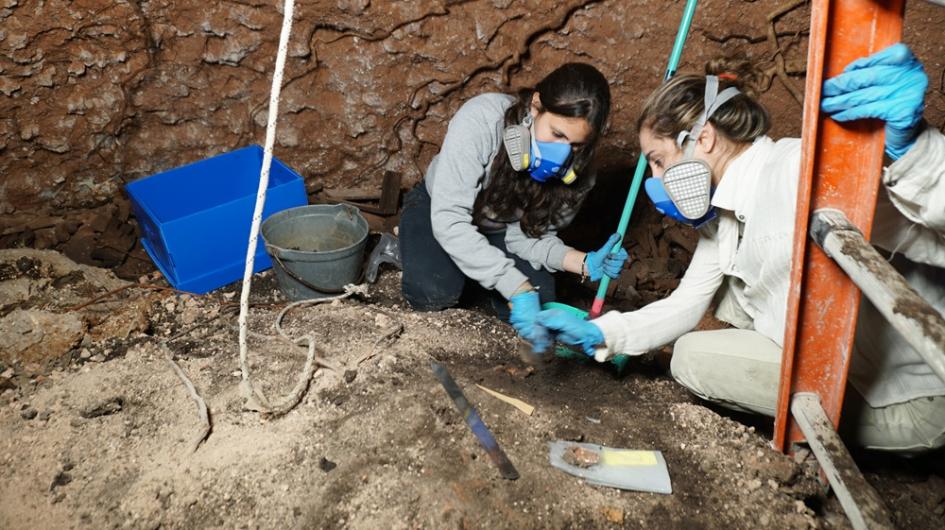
[
  {"x": 740, "y": 370},
  {"x": 736, "y": 368},
  {"x": 911, "y": 427}
]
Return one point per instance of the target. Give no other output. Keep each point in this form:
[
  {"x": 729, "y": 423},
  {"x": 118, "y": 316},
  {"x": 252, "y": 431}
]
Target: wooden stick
[{"x": 517, "y": 403}]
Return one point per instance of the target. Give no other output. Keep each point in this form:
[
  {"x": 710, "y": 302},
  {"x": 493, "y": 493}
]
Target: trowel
[{"x": 625, "y": 469}]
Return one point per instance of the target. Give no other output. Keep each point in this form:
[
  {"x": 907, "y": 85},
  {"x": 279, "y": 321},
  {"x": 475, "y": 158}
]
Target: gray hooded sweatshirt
[{"x": 455, "y": 178}]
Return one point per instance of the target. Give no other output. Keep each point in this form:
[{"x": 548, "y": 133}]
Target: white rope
[
  {"x": 255, "y": 400},
  {"x": 246, "y": 385},
  {"x": 202, "y": 409}
]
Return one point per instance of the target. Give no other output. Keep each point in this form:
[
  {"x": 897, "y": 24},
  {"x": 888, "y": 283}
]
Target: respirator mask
[
  {"x": 543, "y": 160},
  {"x": 684, "y": 192}
]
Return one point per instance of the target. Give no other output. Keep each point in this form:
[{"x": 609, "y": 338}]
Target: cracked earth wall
[{"x": 95, "y": 93}]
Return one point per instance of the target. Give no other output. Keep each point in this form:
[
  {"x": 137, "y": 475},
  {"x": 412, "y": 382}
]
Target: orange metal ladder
[{"x": 840, "y": 177}]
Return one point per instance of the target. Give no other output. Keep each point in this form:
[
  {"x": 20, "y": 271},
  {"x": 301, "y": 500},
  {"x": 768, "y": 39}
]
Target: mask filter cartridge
[
  {"x": 688, "y": 185},
  {"x": 517, "y": 146}
]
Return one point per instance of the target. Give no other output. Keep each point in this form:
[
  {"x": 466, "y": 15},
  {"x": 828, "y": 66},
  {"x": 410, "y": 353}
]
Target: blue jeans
[{"x": 431, "y": 279}]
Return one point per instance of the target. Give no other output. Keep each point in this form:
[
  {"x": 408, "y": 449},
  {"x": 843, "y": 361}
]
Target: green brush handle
[{"x": 684, "y": 24}]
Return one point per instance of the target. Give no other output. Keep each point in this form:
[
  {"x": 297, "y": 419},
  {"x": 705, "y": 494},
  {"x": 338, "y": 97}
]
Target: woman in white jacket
[{"x": 709, "y": 127}]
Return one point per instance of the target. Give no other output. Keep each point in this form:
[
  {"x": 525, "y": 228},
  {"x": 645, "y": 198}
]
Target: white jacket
[{"x": 759, "y": 192}]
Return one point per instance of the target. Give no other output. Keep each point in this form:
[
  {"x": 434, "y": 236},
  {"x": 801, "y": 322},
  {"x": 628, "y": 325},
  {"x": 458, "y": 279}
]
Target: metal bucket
[{"x": 316, "y": 250}]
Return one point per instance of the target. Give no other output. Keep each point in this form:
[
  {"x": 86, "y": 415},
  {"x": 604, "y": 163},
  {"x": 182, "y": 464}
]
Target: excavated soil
[{"x": 101, "y": 435}]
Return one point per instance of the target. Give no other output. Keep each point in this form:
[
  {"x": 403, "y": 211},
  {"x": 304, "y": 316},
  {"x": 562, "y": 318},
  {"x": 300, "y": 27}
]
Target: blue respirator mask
[
  {"x": 544, "y": 160},
  {"x": 684, "y": 192}
]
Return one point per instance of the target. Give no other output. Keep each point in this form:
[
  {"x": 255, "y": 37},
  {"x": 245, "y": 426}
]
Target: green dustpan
[{"x": 566, "y": 352}]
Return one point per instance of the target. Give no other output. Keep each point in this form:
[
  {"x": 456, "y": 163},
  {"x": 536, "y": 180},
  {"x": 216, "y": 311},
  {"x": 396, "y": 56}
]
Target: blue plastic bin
[{"x": 195, "y": 219}]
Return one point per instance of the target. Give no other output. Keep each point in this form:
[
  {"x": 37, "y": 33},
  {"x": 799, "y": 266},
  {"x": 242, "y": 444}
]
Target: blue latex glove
[
  {"x": 602, "y": 261},
  {"x": 888, "y": 85},
  {"x": 572, "y": 330},
  {"x": 523, "y": 316}
]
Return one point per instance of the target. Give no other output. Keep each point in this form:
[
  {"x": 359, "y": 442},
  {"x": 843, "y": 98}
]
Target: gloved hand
[
  {"x": 572, "y": 330},
  {"x": 888, "y": 85},
  {"x": 523, "y": 315},
  {"x": 601, "y": 261}
]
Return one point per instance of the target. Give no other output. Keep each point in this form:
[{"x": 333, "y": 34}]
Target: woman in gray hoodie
[{"x": 512, "y": 170}]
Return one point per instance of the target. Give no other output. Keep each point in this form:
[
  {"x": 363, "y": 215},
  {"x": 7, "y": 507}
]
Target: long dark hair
[{"x": 575, "y": 90}]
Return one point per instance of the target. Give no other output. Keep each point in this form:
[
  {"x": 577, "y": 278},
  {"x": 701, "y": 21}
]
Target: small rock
[
  {"x": 520, "y": 372},
  {"x": 326, "y": 465},
  {"x": 578, "y": 456},
  {"x": 36, "y": 336},
  {"x": 28, "y": 414},
  {"x": 613, "y": 515},
  {"x": 43, "y": 416},
  {"x": 382, "y": 321},
  {"x": 350, "y": 375},
  {"x": 188, "y": 317},
  {"x": 85, "y": 353},
  {"x": 800, "y": 455},
  {"x": 105, "y": 408},
  {"x": 753, "y": 484},
  {"x": 97, "y": 358},
  {"x": 61, "y": 479}
]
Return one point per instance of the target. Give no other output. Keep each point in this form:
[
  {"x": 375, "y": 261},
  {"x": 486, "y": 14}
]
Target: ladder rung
[
  {"x": 918, "y": 322},
  {"x": 859, "y": 500}
]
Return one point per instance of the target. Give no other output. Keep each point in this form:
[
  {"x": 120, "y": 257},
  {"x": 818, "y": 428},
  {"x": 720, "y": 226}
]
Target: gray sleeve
[
  {"x": 548, "y": 250},
  {"x": 470, "y": 143}
]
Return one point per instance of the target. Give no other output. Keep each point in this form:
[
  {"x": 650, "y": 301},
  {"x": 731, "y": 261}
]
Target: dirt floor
[{"x": 99, "y": 433}]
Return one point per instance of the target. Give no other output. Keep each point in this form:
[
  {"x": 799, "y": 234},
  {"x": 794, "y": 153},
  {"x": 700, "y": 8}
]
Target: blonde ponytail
[{"x": 676, "y": 104}]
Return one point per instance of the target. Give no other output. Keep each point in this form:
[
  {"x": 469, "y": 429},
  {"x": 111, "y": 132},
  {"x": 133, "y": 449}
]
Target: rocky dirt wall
[{"x": 94, "y": 93}]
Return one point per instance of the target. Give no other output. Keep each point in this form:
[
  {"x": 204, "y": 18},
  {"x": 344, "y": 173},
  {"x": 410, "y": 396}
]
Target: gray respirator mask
[{"x": 688, "y": 183}]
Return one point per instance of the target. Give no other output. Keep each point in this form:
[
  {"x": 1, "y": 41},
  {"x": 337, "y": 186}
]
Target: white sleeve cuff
[{"x": 613, "y": 326}]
